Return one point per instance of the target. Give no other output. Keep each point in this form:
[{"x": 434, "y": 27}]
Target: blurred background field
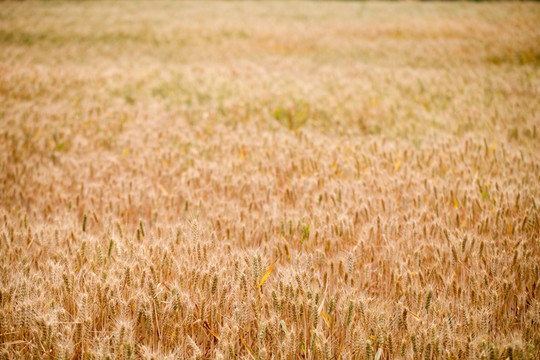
[{"x": 157, "y": 157}]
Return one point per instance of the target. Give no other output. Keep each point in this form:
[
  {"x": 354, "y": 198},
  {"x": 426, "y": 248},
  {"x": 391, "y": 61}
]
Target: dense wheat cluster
[{"x": 269, "y": 180}]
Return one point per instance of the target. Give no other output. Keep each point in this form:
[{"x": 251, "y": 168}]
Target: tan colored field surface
[{"x": 156, "y": 158}]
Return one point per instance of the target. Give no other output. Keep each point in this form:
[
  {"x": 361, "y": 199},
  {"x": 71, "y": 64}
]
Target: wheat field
[{"x": 269, "y": 180}]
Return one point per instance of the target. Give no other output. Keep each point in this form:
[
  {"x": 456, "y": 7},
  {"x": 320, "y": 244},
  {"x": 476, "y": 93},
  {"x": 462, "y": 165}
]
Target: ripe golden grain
[{"x": 156, "y": 160}]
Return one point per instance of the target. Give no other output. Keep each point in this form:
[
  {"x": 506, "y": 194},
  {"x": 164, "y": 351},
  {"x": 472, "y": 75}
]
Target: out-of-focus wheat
[{"x": 157, "y": 158}]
